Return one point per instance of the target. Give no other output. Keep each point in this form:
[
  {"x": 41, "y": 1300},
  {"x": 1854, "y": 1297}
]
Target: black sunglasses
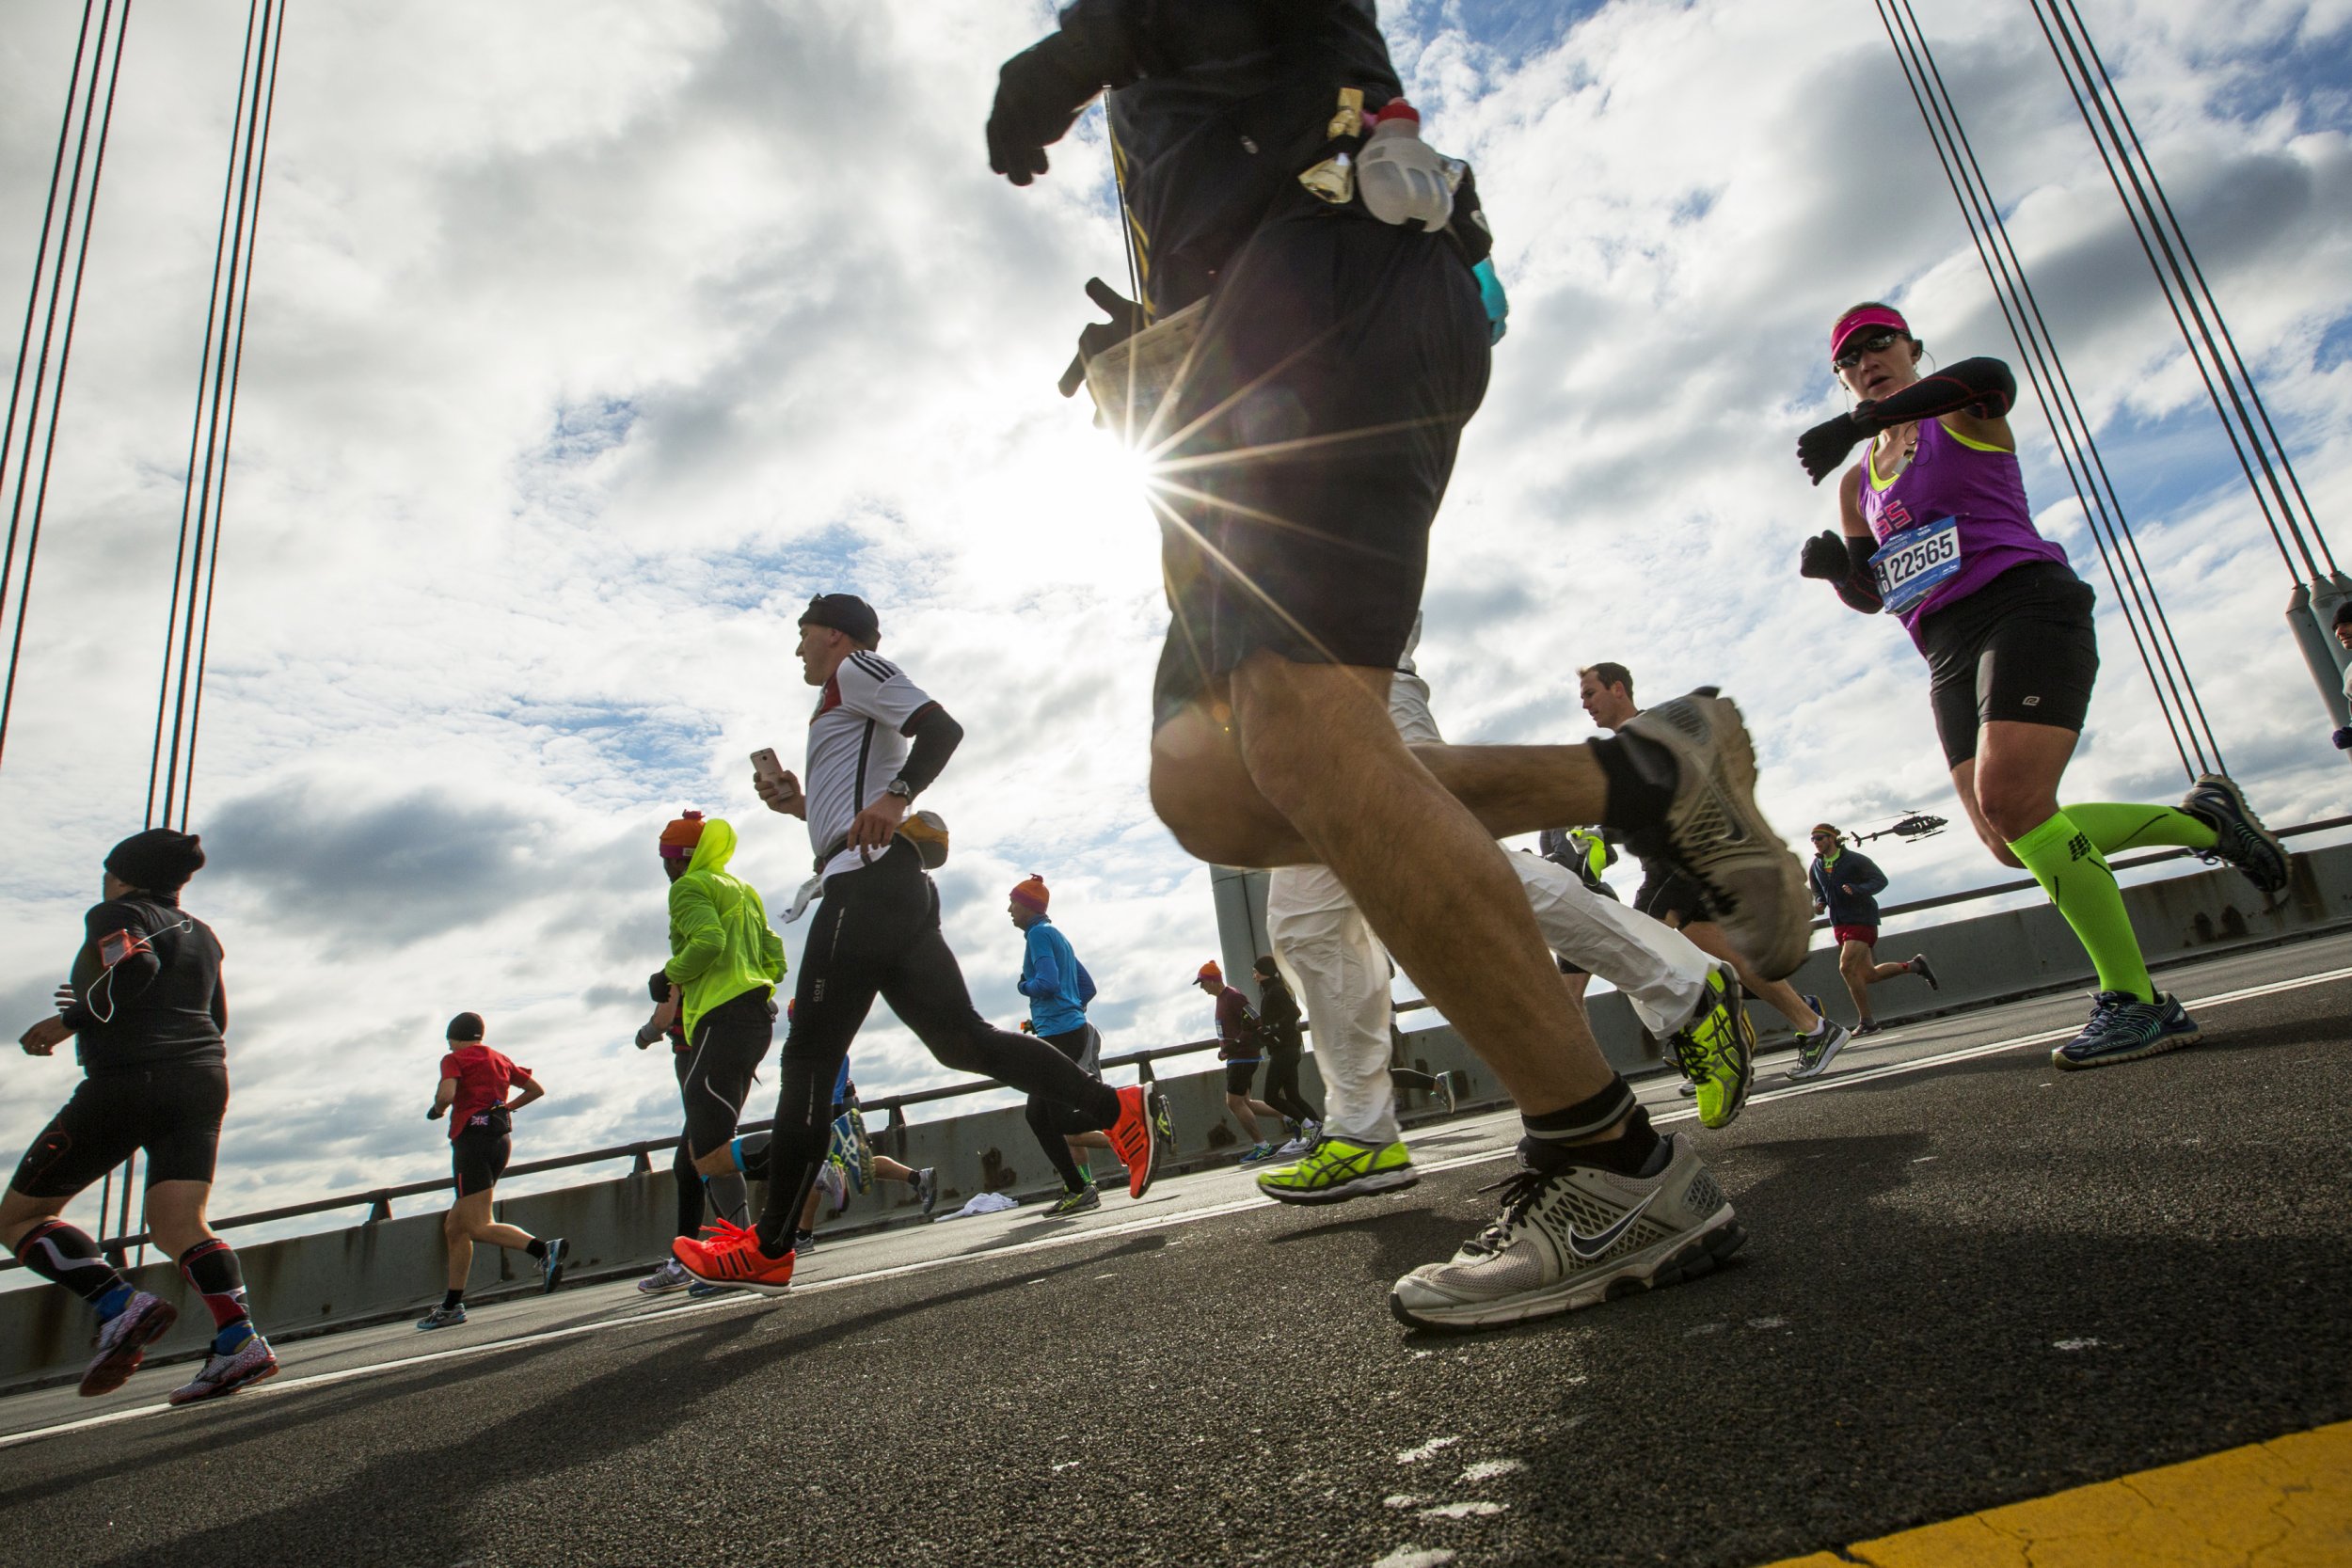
[{"x": 1870, "y": 344}]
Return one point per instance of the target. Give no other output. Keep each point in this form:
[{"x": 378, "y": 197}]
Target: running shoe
[
  {"x": 1815, "y": 1051},
  {"x": 1715, "y": 833},
  {"x": 1686, "y": 1090},
  {"x": 804, "y": 1242},
  {"x": 1716, "y": 1050},
  {"x": 668, "y": 1278},
  {"x": 852, "y": 1151},
  {"x": 1086, "y": 1197},
  {"x": 1448, "y": 1087},
  {"x": 551, "y": 1265},
  {"x": 1920, "y": 967},
  {"x": 1867, "y": 1025},
  {"x": 702, "y": 1290},
  {"x": 1294, "y": 1148},
  {"x": 927, "y": 1189},
  {"x": 225, "y": 1374},
  {"x": 834, "y": 1182},
  {"x": 1136, "y": 1135},
  {"x": 1162, "y": 1125},
  {"x": 1258, "y": 1154},
  {"x": 729, "y": 1255},
  {"x": 2242, "y": 840},
  {"x": 2123, "y": 1028},
  {"x": 1336, "y": 1170},
  {"x": 444, "y": 1317},
  {"x": 122, "y": 1341},
  {"x": 1575, "y": 1238}
]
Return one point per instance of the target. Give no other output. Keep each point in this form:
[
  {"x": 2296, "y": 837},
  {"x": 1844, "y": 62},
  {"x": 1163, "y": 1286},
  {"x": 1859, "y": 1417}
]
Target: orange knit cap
[
  {"x": 1210, "y": 973},
  {"x": 680, "y": 838},
  {"x": 1031, "y": 895}
]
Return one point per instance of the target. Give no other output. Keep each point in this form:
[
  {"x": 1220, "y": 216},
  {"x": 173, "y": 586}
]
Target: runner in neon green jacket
[{"x": 720, "y": 943}]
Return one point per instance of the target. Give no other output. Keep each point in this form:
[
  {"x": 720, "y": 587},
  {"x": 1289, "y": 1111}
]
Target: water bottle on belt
[{"x": 1401, "y": 177}]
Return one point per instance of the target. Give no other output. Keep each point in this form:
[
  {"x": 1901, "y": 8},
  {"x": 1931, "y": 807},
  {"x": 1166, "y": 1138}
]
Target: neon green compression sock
[
  {"x": 2071, "y": 870},
  {"x": 2114, "y": 828}
]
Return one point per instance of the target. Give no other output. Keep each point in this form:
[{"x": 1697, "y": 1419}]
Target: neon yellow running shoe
[
  {"x": 1716, "y": 1050},
  {"x": 1336, "y": 1170}
]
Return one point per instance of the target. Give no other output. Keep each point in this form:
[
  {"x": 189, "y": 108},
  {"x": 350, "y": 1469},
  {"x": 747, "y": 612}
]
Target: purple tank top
[{"x": 1953, "y": 521}]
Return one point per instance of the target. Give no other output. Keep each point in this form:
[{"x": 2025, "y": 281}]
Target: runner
[
  {"x": 875, "y": 742},
  {"x": 1677, "y": 900},
  {"x": 1277, "y": 1028},
  {"x": 1240, "y": 1048},
  {"x": 1059, "y": 991},
  {"x": 689, "y": 1181},
  {"x": 149, "y": 1016},
  {"x": 472, "y": 1094},
  {"x": 724, "y": 963},
  {"x": 1936, "y": 529},
  {"x": 1846, "y": 885},
  {"x": 1586, "y": 854},
  {"x": 1339, "y": 355}
]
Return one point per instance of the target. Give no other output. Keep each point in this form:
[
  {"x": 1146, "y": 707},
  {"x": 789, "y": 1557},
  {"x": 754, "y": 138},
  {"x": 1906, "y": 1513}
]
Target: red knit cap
[
  {"x": 1031, "y": 895},
  {"x": 680, "y": 838}
]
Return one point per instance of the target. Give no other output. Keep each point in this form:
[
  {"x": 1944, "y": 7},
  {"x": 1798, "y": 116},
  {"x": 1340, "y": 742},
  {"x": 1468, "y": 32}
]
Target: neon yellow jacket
[{"x": 720, "y": 943}]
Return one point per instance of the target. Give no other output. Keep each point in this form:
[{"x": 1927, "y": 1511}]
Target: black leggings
[
  {"x": 690, "y": 1181},
  {"x": 1282, "y": 1086},
  {"x": 1053, "y": 1122},
  {"x": 877, "y": 934}
]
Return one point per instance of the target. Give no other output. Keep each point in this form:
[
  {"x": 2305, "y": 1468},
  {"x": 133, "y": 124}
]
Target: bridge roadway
[{"x": 1971, "y": 1280}]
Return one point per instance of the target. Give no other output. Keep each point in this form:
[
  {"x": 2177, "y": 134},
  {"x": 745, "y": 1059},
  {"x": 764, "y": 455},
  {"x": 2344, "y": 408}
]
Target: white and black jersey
[{"x": 857, "y": 743}]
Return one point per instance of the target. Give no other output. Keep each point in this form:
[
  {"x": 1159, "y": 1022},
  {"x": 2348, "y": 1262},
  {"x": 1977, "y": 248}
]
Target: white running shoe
[
  {"x": 122, "y": 1341},
  {"x": 668, "y": 1276},
  {"x": 1574, "y": 1239},
  {"x": 1295, "y": 1147},
  {"x": 225, "y": 1374}
]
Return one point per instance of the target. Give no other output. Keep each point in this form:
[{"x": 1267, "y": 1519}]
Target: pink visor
[{"x": 1856, "y": 321}]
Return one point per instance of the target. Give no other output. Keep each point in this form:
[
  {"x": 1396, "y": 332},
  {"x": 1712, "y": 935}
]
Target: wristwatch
[{"x": 899, "y": 787}]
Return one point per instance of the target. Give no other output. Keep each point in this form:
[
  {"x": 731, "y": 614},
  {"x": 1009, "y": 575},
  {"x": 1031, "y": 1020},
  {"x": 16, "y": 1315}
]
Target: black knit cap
[
  {"x": 466, "y": 1029},
  {"x": 2343, "y": 612},
  {"x": 158, "y": 859},
  {"x": 844, "y": 612}
]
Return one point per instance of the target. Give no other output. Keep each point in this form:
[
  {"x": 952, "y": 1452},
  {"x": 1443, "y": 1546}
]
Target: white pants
[{"x": 1341, "y": 972}]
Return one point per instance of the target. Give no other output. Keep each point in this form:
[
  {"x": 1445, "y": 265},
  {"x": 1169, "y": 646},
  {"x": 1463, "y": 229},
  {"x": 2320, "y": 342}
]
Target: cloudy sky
[{"x": 588, "y": 339}]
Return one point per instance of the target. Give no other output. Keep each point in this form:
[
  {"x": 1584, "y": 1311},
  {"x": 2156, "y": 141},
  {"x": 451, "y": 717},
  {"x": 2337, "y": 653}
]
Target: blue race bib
[{"x": 1915, "y": 562}]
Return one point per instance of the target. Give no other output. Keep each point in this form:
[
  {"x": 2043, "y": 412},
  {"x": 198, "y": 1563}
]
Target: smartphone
[{"x": 764, "y": 763}]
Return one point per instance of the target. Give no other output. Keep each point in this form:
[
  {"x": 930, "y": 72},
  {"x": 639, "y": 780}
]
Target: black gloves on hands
[
  {"x": 1039, "y": 92},
  {"x": 1126, "y": 320},
  {"x": 1825, "y": 446},
  {"x": 2343, "y": 738},
  {"x": 1825, "y": 557}
]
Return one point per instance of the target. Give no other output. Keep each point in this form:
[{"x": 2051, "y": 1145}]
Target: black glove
[
  {"x": 2343, "y": 738},
  {"x": 1825, "y": 557},
  {"x": 1126, "y": 320},
  {"x": 1039, "y": 94},
  {"x": 1825, "y": 446}
]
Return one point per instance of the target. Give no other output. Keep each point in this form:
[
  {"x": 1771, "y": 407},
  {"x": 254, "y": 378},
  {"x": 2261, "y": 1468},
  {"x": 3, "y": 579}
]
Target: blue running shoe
[
  {"x": 2241, "y": 841},
  {"x": 2123, "y": 1028}
]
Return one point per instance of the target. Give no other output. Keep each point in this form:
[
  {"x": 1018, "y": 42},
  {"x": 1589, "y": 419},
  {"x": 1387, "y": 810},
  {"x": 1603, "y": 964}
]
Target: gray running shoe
[
  {"x": 927, "y": 1188},
  {"x": 2123, "y": 1028},
  {"x": 2243, "y": 841},
  {"x": 1816, "y": 1052},
  {"x": 1078, "y": 1202},
  {"x": 1575, "y": 1239},
  {"x": 122, "y": 1341},
  {"x": 1449, "y": 1089},
  {"x": 551, "y": 1266},
  {"x": 225, "y": 1374},
  {"x": 670, "y": 1276},
  {"x": 444, "y": 1317},
  {"x": 1686, "y": 1090},
  {"x": 1919, "y": 966},
  {"x": 1715, "y": 833}
]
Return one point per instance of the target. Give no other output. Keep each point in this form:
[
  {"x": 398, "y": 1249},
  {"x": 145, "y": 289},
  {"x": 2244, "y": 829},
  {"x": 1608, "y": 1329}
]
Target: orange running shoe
[
  {"x": 728, "y": 1254},
  {"x": 1136, "y": 1137}
]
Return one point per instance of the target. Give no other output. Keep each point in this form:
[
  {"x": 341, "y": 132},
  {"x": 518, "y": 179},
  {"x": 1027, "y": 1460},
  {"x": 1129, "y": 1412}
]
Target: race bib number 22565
[{"x": 1915, "y": 562}]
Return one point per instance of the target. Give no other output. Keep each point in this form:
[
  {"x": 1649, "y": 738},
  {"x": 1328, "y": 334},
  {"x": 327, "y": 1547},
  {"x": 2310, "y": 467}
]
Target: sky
[{"x": 587, "y": 340}]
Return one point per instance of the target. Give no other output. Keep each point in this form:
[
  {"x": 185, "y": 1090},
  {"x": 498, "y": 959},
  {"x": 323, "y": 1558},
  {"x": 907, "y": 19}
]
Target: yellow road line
[{"x": 2287, "y": 1503}]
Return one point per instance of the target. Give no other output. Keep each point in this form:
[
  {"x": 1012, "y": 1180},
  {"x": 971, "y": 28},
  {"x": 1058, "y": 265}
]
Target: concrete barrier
[{"x": 383, "y": 1270}]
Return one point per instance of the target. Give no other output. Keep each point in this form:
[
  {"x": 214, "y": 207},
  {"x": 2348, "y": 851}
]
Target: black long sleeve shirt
[{"x": 147, "y": 989}]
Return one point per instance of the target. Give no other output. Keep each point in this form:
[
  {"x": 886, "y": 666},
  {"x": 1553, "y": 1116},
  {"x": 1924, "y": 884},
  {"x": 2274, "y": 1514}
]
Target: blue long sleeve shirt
[
  {"x": 1049, "y": 979},
  {"x": 1831, "y": 878}
]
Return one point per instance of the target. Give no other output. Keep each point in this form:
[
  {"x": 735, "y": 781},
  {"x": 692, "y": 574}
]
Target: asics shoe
[
  {"x": 1716, "y": 1050},
  {"x": 853, "y": 1150},
  {"x": 1086, "y": 1197},
  {"x": 551, "y": 1265},
  {"x": 1162, "y": 1125},
  {"x": 122, "y": 1341},
  {"x": 1136, "y": 1135},
  {"x": 1816, "y": 1052},
  {"x": 1257, "y": 1154},
  {"x": 2241, "y": 839},
  {"x": 1920, "y": 967},
  {"x": 1574, "y": 1238},
  {"x": 2123, "y": 1028},
  {"x": 668, "y": 1278},
  {"x": 1715, "y": 833},
  {"x": 728, "y": 1254},
  {"x": 225, "y": 1374},
  {"x": 927, "y": 1189},
  {"x": 1336, "y": 1170},
  {"x": 444, "y": 1317}
]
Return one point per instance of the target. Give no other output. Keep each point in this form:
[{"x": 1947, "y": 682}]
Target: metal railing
[{"x": 639, "y": 1153}]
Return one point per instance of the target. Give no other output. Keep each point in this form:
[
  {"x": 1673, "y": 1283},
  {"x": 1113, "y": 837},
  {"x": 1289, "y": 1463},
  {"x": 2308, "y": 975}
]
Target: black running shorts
[
  {"x": 477, "y": 1157},
  {"x": 172, "y": 1113},
  {"x": 1240, "y": 1076},
  {"x": 2019, "y": 648},
  {"x": 730, "y": 1041},
  {"x": 1674, "y": 898},
  {"x": 1338, "y": 362}
]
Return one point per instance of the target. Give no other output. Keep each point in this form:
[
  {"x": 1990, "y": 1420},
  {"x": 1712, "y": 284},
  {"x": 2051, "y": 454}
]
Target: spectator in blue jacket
[
  {"x": 1058, "y": 989},
  {"x": 1846, "y": 886}
]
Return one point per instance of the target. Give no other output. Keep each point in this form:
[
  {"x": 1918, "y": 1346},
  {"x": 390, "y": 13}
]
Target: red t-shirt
[{"x": 481, "y": 1076}]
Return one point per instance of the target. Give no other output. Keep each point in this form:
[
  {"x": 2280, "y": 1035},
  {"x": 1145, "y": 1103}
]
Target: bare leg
[
  {"x": 460, "y": 1240},
  {"x": 1245, "y": 1112},
  {"x": 1707, "y": 937}
]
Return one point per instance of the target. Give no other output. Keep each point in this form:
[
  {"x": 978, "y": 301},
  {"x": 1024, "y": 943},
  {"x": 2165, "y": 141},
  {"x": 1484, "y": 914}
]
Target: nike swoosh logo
[{"x": 1589, "y": 1247}]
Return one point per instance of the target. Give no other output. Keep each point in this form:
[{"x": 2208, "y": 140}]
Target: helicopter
[{"x": 1916, "y": 824}]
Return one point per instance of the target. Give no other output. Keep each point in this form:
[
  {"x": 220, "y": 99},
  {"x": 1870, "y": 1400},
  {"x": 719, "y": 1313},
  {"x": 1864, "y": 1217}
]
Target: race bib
[{"x": 1915, "y": 562}]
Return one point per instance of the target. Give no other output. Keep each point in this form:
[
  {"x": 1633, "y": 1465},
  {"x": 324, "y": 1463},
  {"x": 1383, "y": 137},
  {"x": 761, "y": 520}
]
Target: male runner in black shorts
[
  {"x": 151, "y": 1019},
  {"x": 1301, "y": 462},
  {"x": 472, "y": 1094},
  {"x": 875, "y": 742}
]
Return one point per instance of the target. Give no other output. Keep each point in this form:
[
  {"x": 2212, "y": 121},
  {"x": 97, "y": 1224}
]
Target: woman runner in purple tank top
[{"x": 1937, "y": 530}]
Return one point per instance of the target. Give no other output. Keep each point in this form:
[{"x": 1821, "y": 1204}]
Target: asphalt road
[{"x": 1971, "y": 1280}]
